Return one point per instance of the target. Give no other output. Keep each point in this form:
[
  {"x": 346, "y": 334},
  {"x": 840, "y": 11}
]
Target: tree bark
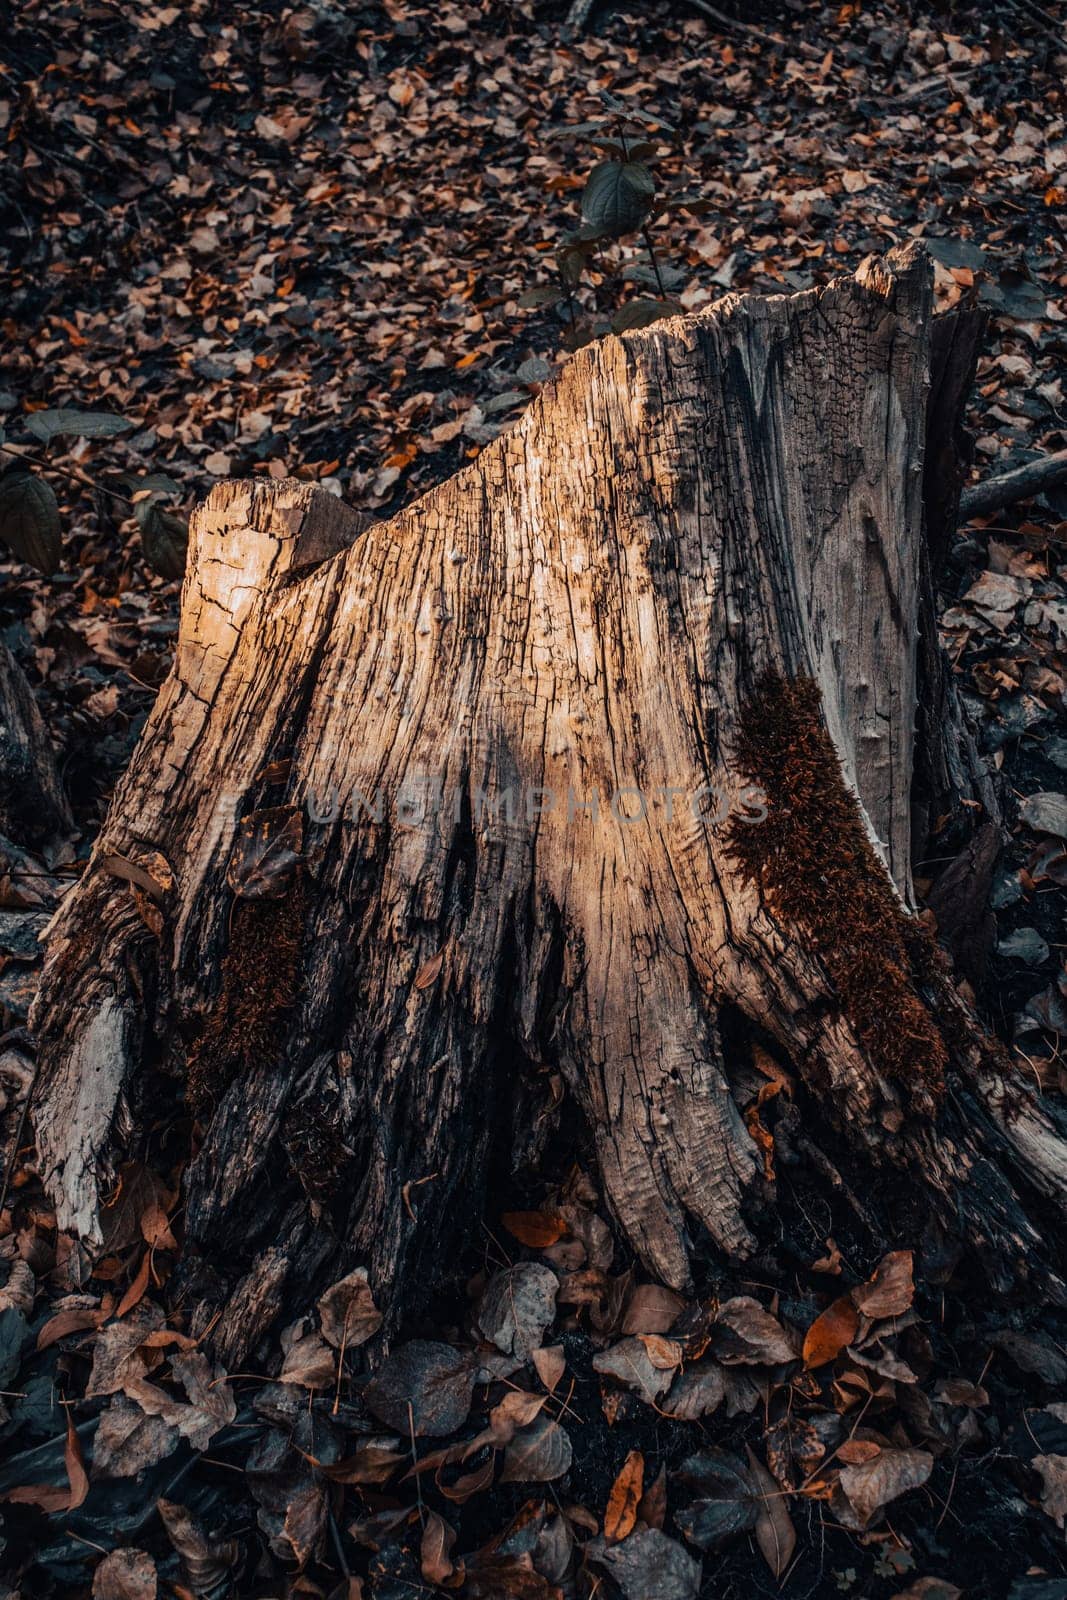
[
  {"x": 694, "y": 565},
  {"x": 33, "y": 805}
]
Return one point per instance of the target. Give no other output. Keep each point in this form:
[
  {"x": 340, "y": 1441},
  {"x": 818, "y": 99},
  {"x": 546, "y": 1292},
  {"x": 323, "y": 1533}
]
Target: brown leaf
[
  {"x": 373, "y": 1461},
  {"x": 874, "y": 1483},
  {"x": 831, "y": 1331},
  {"x": 153, "y": 876},
  {"x": 652, "y": 1507},
  {"x": 751, "y": 1334},
  {"x": 51, "y": 1498},
  {"x": 209, "y": 1405},
  {"x": 138, "y": 1287},
  {"x": 347, "y": 1312},
  {"x": 630, "y": 1362},
  {"x": 72, "y": 1460},
  {"x": 206, "y": 1564},
  {"x": 663, "y": 1353},
  {"x": 536, "y": 1229},
  {"x": 127, "y": 1441},
  {"x": 126, "y": 1574},
  {"x": 855, "y": 1451},
  {"x": 435, "y": 1557},
  {"x": 537, "y": 1454},
  {"x": 75, "y": 1319},
  {"x": 830, "y": 1262},
  {"x": 696, "y": 1392},
  {"x": 621, "y": 1513},
  {"x": 155, "y": 1227},
  {"x": 517, "y": 1306},
  {"x": 550, "y": 1364},
  {"x": 470, "y": 1484},
  {"x": 959, "y": 1392},
  {"x": 930, "y": 1589},
  {"x": 309, "y": 1361},
  {"x": 1053, "y": 1472},
  {"x": 266, "y": 853},
  {"x": 652, "y": 1309},
  {"x": 516, "y": 1410},
  {"x": 429, "y": 971},
  {"x": 890, "y": 1290},
  {"x": 775, "y": 1533}
]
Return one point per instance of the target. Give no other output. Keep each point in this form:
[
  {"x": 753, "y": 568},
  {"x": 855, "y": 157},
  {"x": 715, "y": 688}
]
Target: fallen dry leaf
[
  {"x": 831, "y": 1331},
  {"x": 621, "y": 1513},
  {"x": 774, "y": 1531},
  {"x": 890, "y": 1291},
  {"x": 126, "y": 1574},
  {"x": 872, "y": 1484}
]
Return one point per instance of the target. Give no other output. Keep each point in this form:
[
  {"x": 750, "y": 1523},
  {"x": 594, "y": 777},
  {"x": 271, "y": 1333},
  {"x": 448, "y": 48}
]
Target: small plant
[
  {"x": 29, "y": 511},
  {"x": 620, "y": 203}
]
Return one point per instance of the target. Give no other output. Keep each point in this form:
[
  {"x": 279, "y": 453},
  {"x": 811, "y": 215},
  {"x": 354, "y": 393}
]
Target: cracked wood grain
[{"x": 580, "y": 612}]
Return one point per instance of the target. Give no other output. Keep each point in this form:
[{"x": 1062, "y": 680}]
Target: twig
[
  {"x": 802, "y": 46},
  {"x": 655, "y": 264},
  {"x": 996, "y": 493},
  {"x": 65, "y": 472}
]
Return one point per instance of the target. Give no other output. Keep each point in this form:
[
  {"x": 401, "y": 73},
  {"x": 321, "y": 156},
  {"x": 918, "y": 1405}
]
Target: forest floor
[{"x": 303, "y": 241}]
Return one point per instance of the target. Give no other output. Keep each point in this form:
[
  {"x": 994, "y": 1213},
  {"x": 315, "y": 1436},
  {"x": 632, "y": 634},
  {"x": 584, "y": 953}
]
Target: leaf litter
[{"x": 324, "y": 282}]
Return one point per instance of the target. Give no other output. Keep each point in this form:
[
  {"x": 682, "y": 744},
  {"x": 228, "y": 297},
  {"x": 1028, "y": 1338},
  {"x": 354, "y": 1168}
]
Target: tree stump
[{"x": 593, "y": 767}]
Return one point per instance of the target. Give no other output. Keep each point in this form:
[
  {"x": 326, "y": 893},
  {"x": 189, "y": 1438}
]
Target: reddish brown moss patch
[
  {"x": 261, "y": 976},
  {"x": 819, "y": 872}
]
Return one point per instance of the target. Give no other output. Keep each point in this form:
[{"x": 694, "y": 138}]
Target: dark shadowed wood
[
  {"x": 695, "y": 564},
  {"x": 33, "y": 806},
  {"x": 955, "y": 345}
]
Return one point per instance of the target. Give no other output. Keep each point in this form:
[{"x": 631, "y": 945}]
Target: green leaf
[
  {"x": 627, "y": 152},
  {"x": 578, "y": 130},
  {"x": 164, "y": 539},
  {"x": 642, "y": 313},
  {"x": 644, "y": 272},
  {"x": 618, "y": 196},
  {"x": 586, "y": 236},
  {"x": 29, "y": 519},
  {"x": 628, "y": 113},
  {"x": 541, "y": 296},
  {"x": 157, "y": 482},
  {"x": 46, "y": 425},
  {"x": 571, "y": 263}
]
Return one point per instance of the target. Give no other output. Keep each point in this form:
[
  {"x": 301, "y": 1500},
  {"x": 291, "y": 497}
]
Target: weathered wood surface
[
  {"x": 33, "y": 806},
  {"x": 586, "y": 609}
]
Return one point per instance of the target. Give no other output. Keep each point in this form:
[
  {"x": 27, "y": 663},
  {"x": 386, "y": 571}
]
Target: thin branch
[
  {"x": 801, "y": 45},
  {"x": 995, "y": 493},
  {"x": 65, "y": 472},
  {"x": 655, "y": 264}
]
